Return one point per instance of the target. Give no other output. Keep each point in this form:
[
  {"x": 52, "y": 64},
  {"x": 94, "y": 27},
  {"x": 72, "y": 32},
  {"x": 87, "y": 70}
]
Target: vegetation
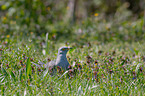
[{"x": 108, "y": 55}]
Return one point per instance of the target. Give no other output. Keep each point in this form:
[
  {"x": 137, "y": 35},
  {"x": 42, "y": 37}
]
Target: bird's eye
[{"x": 63, "y": 49}]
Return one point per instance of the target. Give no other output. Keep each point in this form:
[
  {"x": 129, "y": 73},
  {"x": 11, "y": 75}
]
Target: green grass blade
[
  {"x": 20, "y": 75},
  {"x": 4, "y": 71},
  {"x": 80, "y": 91},
  {"x": 12, "y": 74},
  {"x": 2, "y": 90},
  {"x": 28, "y": 68},
  {"x": 47, "y": 44},
  {"x": 2, "y": 78},
  {"x": 44, "y": 74}
]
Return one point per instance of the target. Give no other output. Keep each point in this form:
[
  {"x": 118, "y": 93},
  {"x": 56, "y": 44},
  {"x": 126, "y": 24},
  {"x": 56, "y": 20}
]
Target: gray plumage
[{"x": 61, "y": 59}]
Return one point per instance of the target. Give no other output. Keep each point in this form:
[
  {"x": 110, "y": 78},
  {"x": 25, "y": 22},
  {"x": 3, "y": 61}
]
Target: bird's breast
[{"x": 62, "y": 62}]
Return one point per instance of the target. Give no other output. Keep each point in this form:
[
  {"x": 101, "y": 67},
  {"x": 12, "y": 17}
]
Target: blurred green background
[
  {"x": 73, "y": 20},
  {"x": 107, "y": 37}
]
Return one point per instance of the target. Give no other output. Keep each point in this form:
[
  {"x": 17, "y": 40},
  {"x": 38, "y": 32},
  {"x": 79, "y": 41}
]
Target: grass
[
  {"x": 100, "y": 69},
  {"x": 108, "y": 55}
]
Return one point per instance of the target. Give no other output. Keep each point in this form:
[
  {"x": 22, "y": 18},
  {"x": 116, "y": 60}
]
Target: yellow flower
[
  {"x": 96, "y": 63},
  {"x": 8, "y": 36},
  {"x": 67, "y": 7},
  {"x": 83, "y": 22},
  {"x": 107, "y": 28},
  {"x": 31, "y": 33},
  {"x": 4, "y": 18},
  {"x": 48, "y": 8},
  {"x": 12, "y": 22},
  {"x": 16, "y": 17},
  {"x": 96, "y": 14},
  {"x": 133, "y": 27}
]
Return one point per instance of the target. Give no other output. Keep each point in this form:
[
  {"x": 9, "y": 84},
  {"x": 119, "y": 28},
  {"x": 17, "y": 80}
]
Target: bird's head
[{"x": 63, "y": 50}]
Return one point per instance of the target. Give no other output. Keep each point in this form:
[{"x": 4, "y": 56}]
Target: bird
[
  {"x": 60, "y": 63},
  {"x": 61, "y": 59}
]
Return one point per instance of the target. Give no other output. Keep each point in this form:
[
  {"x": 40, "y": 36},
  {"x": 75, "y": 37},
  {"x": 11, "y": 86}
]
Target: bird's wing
[
  {"x": 41, "y": 63},
  {"x": 50, "y": 64},
  {"x": 36, "y": 64}
]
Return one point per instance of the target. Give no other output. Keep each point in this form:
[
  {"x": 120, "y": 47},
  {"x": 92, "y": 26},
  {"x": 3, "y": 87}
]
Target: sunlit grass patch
[{"x": 95, "y": 69}]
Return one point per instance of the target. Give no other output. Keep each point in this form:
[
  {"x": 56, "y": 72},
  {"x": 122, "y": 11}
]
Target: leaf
[
  {"x": 20, "y": 74},
  {"x": 5, "y": 6},
  {"x": 80, "y": 91},
  {"x": 45, "y": 73},
  {"x": 136, "y": 51},
  {"x": 44, "y": 52},
  {"x": 137, "y": 68},
  {"x": 94, "y": 86},
  {"x": 47, "y": 44},
  {"x": 2, "y": 78},
  {"x": 28, "y": 68},
  {"x": 12, "y": 74},
  {"x": 2, "y": 90},
  {"x": 25, "y": 92},
  {"x": 63, "y": 74},
  {"x": 37, "y": 65},
  {"x": 11, "y": 11},
  {"x": 4, "y": 71}
]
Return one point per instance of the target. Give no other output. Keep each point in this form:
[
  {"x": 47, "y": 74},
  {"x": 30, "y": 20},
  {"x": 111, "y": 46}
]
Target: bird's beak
[{"x": 69, "y": 48}]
